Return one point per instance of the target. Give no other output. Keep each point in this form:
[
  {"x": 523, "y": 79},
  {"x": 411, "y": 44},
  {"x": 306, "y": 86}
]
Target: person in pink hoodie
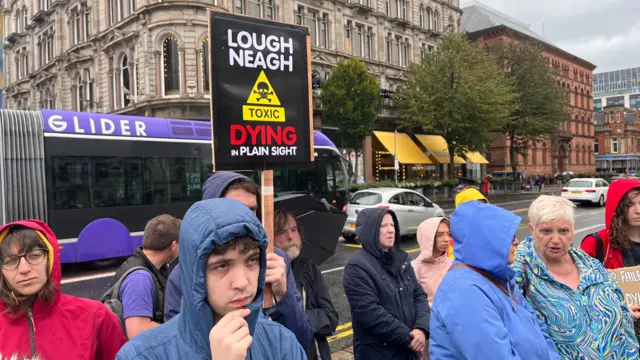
[
  {"x": 434, "y": 236},
  {"x": 432, "y": 263}
]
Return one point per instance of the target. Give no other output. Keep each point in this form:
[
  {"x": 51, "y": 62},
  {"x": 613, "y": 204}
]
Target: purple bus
[{"x": 96, "y": 179}]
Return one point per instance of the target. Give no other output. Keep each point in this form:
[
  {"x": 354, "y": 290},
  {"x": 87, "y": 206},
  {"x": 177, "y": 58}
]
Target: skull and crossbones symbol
[{"x": 263, "y": 91}]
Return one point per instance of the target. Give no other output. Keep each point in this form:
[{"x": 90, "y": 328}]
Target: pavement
[{"x": 86, "y": 281}]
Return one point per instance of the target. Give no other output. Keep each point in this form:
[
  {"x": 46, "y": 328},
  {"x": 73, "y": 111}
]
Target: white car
[
  {"x": 593, "y": 191},
  {"x": 411, "y": 208}
]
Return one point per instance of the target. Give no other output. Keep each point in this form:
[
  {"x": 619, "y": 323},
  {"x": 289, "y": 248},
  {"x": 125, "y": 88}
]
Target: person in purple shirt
[
  {"x": 142, "y": 307},
  {"x": 288, "y": 309}
]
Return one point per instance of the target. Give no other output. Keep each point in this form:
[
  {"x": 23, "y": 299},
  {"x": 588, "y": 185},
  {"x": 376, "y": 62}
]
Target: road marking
[
  {"x": 341, "y": 335},
  {"x": 80, "y": 278}
]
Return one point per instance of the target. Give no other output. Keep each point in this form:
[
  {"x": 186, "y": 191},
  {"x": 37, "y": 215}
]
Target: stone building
[
  {"x": 617, "y": 133},
  {"x": 572, "y": 149},
  {"x": 147, "y": 57}
]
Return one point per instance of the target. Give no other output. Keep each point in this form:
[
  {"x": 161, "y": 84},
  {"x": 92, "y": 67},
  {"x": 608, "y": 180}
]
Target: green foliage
[
  {"x": 350, "y": 100},
  {"x": 541, "y": 103},
  {"x": 459, "y": 93}
]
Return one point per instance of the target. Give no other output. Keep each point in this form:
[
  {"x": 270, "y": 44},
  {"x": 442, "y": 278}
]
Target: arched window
[
  {"x": 125, "y": 82},
  {"x": 436, "y": 17},
  {"x": 170, "y": 66},
  {"x": 49, "y": 101},
  {"x": 79, "y": 93},
  {"x": 206, "y": 88},
  {"x": 430, "y": 19},
  {"x": 25, "y": 18},
  {"x": 584, "y": 155},
  {"x": 421, "y": 15},
  {"x": 452, "y": 25}
]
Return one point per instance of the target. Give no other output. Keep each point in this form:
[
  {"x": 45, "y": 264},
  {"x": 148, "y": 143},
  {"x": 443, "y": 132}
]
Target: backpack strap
[
  {"x": 599, "y": 246},
  {"x": 158, "y": 296},
  {"x": 115, "y": 289},
  {"x": 525, "y": 283}
]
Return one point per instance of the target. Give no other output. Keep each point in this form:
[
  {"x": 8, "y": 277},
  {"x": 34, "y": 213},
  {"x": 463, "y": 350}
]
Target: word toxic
[
  {"x": 245, "y": 50},
  {"x": 263, "y": 102}
]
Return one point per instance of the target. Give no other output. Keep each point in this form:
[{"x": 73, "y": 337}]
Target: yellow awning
[
  {"x": 408, "y": 151},
  {"x": 438, "y": 149},
  {"x": 476, "y": 158}
]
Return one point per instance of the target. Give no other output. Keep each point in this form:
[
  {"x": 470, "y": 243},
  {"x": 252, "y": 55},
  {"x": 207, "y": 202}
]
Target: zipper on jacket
[{"x": 32, "y": 332}]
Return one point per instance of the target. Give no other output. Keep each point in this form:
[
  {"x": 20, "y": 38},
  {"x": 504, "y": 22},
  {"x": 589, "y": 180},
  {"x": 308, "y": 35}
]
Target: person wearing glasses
[{"x": 36, "y": 320}]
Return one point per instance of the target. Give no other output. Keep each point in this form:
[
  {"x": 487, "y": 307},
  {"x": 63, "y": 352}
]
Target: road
[{"x": 86, "y": 282}]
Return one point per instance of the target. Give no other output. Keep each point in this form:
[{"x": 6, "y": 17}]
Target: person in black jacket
[
  {"x": 389, "y": 309},
  {"x": 317, "y": 302}
]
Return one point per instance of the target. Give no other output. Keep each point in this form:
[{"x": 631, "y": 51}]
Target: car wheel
[
  {"x": 601, "y": 201},
  {"x": 349, "y": 238}
]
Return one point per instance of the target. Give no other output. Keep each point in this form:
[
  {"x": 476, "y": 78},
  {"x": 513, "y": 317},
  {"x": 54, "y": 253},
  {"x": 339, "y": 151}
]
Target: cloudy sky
[{"x": 604, "y": 32}]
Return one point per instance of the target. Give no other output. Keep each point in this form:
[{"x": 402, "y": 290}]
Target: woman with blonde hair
[{"x": 581, "y": 304}]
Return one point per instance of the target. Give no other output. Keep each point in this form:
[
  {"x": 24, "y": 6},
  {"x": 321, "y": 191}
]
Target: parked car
[
  {"x": 411, "y": 208},
  {"x": 593, "y": 191}
]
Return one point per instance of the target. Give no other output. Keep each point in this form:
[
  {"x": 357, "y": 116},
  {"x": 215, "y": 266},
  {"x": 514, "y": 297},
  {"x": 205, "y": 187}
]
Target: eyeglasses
[{"x": 34, "y": 257}]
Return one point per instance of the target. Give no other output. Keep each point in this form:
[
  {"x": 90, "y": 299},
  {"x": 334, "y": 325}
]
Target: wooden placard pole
[{"x": 266, "y": 201}]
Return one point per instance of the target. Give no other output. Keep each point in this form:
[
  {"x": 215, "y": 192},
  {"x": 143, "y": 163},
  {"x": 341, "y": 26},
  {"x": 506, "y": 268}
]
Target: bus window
[
  {"x": 98, "y": 182},
  {"x": 71, "y": 183},
  {"x": 181, "y": 174},
  {"x": 156, "y": 181}
]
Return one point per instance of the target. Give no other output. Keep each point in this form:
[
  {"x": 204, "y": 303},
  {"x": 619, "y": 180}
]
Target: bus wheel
[{"x": 349, "y": 238}]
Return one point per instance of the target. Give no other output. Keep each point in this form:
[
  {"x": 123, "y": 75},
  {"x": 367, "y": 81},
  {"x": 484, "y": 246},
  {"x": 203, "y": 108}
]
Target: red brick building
[
  {"x": 616, "y": 147},
  {"x": 573, "y": 148}
]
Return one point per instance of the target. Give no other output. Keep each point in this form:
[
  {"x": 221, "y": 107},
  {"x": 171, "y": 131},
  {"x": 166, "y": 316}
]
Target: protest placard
[
  {"x": 260, "y": 93},
  {"x": 261, "y": 113},
  {"x": 629, "y": 280}
]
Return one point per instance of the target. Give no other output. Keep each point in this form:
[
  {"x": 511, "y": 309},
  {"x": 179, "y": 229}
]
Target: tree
[
  {"x": 350, "y": 100},
  {"x": 458, "y": 93},
  {"x": 541, "y": 103}
]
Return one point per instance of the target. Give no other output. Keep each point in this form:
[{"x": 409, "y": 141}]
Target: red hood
[
  {"x": 55, "y": 270},
  {"x": 616, "y": 192}
]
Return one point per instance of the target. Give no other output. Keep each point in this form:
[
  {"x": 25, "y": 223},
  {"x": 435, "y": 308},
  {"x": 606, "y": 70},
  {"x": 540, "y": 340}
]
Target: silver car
[{"x": 411, "y": 208}]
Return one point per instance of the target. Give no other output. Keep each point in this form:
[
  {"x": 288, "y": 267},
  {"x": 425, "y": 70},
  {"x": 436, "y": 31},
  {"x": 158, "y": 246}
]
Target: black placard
[{"x": 260, "y": 93}]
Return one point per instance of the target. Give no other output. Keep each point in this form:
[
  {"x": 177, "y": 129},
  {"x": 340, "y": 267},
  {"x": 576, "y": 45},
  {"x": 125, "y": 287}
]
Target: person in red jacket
[
  {"x": 618, "y": 244},
  {"x": 36, "y": 320}
]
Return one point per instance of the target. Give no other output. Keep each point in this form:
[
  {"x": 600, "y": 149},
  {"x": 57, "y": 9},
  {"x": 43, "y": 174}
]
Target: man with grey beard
[{"x": 315, "y": 294}]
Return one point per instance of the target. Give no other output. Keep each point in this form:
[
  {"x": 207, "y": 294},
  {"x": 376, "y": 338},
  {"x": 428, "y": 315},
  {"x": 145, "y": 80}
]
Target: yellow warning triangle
[{"x": 262, "y": 92}]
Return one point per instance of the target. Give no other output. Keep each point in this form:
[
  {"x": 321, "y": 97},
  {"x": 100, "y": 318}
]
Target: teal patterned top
[{"x": 592, "y": 322}]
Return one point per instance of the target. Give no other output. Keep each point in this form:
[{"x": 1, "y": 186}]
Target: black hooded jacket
[
  {"x": 318, "y": 306},
  {"x": 387, "y": 301}
]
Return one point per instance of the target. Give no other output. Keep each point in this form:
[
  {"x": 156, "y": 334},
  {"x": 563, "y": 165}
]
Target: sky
[{"x": 603, "y": 32}]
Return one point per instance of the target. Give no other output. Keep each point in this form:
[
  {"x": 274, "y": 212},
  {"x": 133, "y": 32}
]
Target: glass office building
[{"x": 618, "y": 87}]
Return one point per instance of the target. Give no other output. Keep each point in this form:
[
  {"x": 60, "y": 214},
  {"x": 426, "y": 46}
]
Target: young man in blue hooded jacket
[
  {"x": 288, "y": 309},
  {"x": 223, "y": 260}
]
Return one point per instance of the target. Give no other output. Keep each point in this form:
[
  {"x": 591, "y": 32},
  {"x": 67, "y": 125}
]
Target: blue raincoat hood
[
  {"x": 208, "y": 224},
  {"x": 368, "y": 230},
  {"x": 482, "y": 235},
  {"x": 214, "y": 186}
]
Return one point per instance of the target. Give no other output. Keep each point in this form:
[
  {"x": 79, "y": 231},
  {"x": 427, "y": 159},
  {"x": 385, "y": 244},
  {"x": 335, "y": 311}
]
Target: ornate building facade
[
  {"x": 572, "y": 149},
  {"x": 148, "y": 57}
]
